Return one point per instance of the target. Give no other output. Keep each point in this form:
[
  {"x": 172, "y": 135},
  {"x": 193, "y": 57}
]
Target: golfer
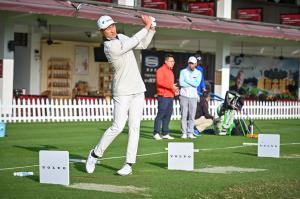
[{"x": 127, "y": 87}]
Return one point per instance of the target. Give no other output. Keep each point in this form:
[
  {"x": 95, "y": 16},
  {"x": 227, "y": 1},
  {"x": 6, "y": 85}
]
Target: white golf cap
[
  {"x": 199, "y": 58},
  {"x": 192, "y": 59},
  {"x": 105, "y": 21}
]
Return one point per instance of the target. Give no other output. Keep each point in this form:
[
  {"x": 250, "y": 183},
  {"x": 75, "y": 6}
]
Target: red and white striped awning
[{"x": 128, "y": 16}]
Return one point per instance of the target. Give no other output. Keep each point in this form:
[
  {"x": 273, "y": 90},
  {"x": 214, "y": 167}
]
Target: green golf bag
[{"x": 225, "y": 124}]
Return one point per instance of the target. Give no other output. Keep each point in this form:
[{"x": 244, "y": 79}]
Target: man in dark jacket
[{"x": 203, "y": 118}]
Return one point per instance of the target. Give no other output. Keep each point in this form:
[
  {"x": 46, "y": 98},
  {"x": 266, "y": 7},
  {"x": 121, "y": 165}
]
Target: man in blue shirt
[{"x": 201, "y": 87}]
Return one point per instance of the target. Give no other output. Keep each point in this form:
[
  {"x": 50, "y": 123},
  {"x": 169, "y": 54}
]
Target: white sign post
[
  {"x": 181, "y": 156},
  {"x": 54, "y": 167},
  {"x": 268, "y": 145}
]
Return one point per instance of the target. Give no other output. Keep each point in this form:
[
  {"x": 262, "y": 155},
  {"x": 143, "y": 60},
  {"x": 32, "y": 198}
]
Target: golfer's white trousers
[{"x": 125, "y": 107}]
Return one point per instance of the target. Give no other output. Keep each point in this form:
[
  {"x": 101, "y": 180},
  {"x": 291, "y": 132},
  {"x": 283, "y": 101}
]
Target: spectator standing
[
  {"x": 189, "y": 80},
  {"x": 201, "y": 88},
  {"x": 199, "y": 67},
  {"x": 166, "y": 90}
]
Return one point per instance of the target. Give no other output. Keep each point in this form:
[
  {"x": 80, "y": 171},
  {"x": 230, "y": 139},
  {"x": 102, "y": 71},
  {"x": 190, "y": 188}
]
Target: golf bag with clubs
[{"x": 226, "y": 124}]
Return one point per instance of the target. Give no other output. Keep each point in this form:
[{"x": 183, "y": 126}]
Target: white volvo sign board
[
  {"x": 181, "y": 156},
  {"x": 54, "y": 167},
  {"x": 268, "y": 145}
]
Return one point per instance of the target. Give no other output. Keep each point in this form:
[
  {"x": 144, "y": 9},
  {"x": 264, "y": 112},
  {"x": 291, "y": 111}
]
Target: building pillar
[
  {"x": 7, "y": 63},
  {"x": 224, "y": 9},
  {"x": 222, "y": 71},
  {"x": 299, "y": 83}
]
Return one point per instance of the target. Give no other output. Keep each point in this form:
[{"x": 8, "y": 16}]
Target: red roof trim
[
  {"x": 127, "y": 16},
  {"x": 245, "y": 29}
]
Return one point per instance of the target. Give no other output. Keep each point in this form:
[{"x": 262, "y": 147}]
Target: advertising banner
[
  {"x": 54, "y": 167},
  {"x": 268, "y": 145},
  {"x": 264, "y": 78},
  {"x": 250, "y": 14},
  {"x": 181, "y": 156},
  {"x": 151, "y": 61},
  {"x": 202, "y": 8},
  {"x": 155, "y": 4},
  {"x": 290, "y": 19}
]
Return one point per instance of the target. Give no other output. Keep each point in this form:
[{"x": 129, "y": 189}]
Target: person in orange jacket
[{"x": 166, "y": 91}]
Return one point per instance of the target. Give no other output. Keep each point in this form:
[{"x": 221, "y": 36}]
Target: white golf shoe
[
  {"x": 90, "y": 163},
  {"x": 126, "y": 170},
  {"x": 191, "y": 136},
  {"x": 168, "y": 137},
  {"x": 184, "y": 136},
  {"x": 157, "y": 136}
]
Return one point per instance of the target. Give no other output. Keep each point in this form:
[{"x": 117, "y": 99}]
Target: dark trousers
[{"x": 165, "y": 109}]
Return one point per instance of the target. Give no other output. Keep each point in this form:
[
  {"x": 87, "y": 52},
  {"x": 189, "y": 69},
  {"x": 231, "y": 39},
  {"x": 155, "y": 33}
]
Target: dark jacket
[{"x": 202, "y": 109}]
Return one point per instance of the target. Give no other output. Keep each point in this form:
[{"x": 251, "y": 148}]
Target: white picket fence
[{"x": 64, "y": 110}]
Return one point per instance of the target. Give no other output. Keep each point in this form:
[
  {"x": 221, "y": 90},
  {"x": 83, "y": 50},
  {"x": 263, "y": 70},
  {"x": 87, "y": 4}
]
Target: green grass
[{"x": 20, "y": 148}]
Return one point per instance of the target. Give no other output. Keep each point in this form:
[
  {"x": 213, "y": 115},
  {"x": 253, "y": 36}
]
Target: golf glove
[{"x": 153, "y": 24}]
